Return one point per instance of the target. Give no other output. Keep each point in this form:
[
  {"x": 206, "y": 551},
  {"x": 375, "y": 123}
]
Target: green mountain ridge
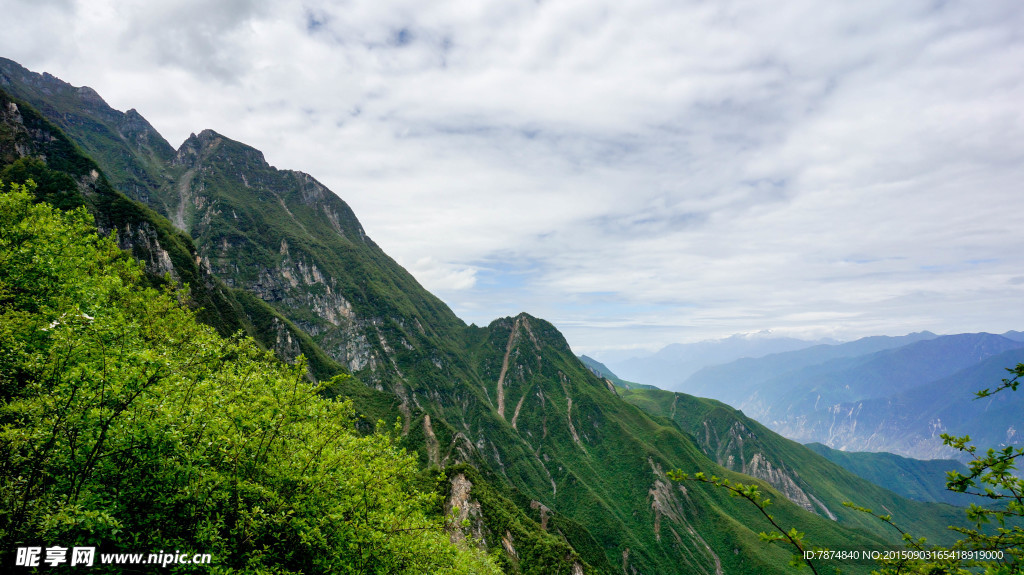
[
  {"x": 818, "y": 485},
  {"x": 920, "y": 480},
  {"x": 584, "y": 471}
]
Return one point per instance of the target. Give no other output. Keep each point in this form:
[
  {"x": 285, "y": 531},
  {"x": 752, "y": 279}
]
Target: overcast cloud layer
[{"x": 636, "y": 172}]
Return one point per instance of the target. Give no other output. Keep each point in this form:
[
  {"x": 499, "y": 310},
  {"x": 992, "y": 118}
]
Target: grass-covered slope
[
  {"x": 601, "y": 462},
  {"x": 805, "y": 477},
  {"x": 920, "y": 480}
]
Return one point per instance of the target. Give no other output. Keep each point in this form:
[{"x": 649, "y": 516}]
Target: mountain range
[
  {"x": 668, "y": 367},
  {"x": 564, "y": 470},
  {"x": 878, "y": 394}
]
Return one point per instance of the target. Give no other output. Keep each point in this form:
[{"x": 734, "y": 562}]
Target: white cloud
[
  {"x": 646, "y": 171},
  {"x": 442, "y": 276}
]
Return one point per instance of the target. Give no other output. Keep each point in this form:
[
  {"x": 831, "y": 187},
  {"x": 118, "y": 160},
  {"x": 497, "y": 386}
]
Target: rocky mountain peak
[
  {"x": 540, "y": 332},
  {"x": 91, "y": 97},
  {"x": 209, "y": 143}
]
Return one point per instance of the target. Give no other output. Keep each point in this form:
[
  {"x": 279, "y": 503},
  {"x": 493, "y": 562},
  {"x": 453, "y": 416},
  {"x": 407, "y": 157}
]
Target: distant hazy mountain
[
  {"x": 671, "y": 365},
  {"x": 910, "y": 422},
  {"x": 1014, "y": 335},
  {"x": 601, "y": 370},
  {"x": 734, "y": 382},
  {"x": 899, "y": 399}
]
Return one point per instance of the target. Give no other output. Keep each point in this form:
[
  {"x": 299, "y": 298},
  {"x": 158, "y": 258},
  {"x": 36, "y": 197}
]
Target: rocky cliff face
[
  {"x": 731, "y": 452},
  {"x": 467, "y": 518},
  {"x": 673, "y": 504},
  {"x": 284, "y": 237}
]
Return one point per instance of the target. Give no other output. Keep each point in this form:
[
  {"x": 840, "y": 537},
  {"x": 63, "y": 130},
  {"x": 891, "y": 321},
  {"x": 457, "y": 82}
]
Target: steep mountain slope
[
  {"x": 510, "y": 398},
  {"x": 133, "y": 154},
  {"x": 803, "y": 476},
  {"x": 284, "y": 237},
  {"x": 33, "y": 148},
  {"x": 920, "y": 480}
]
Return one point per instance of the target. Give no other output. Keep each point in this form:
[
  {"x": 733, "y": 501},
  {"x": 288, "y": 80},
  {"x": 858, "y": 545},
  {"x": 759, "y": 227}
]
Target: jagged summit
[
  {"x": 132, "y": 152},
  {"x": 539, "y": 330},
  {"x": 209, "y": 141}
]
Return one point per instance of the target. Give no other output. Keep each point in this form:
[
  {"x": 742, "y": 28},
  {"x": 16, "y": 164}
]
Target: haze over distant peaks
[
  {"x": 668, "y": 367},
  {"x": 894, "y": 394}
]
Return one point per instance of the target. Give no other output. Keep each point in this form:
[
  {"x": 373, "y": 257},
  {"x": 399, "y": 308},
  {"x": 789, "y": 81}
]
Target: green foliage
[
  {"x": 51, "y": 186},
  {"x": 127, "y": 424}
]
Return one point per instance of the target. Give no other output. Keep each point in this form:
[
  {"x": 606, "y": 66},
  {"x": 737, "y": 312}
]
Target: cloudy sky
[{"x": 638, "y": 173}]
